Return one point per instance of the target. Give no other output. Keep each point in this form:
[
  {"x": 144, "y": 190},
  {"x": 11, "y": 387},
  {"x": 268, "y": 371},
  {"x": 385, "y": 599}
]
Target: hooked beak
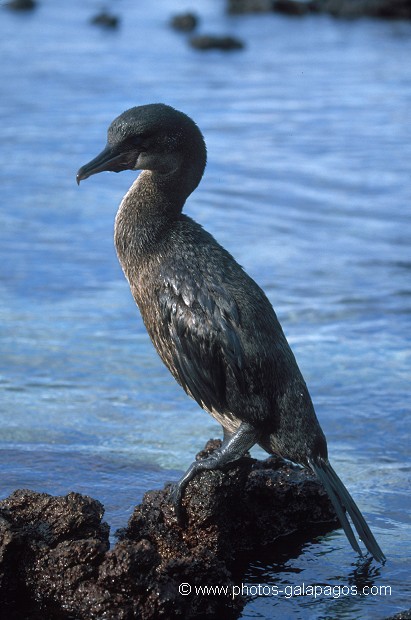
[{"x": 110, "y": 159}]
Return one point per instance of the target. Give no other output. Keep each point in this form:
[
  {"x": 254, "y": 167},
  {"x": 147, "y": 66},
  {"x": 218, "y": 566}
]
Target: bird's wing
[{"x": 201, "y": 321}]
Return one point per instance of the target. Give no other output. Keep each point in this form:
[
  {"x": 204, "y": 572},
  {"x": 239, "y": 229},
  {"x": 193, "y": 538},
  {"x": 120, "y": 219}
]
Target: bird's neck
[
  {"x": 154, "y": 202},
  {"x": 145, "y": 219},
  {"x": 141, "y": 218}
]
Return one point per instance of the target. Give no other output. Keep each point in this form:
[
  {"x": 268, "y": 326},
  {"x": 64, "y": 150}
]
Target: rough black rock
[{"x": 55, "y": 561}]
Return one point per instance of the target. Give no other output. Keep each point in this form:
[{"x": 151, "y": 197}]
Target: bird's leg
[
  {"x": 233, "y": 448},
  {"x": 226, "y": 434}
]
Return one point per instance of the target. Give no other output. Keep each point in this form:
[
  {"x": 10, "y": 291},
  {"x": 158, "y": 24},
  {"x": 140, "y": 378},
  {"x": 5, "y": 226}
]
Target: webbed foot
[{"x": 232, "y": 449}]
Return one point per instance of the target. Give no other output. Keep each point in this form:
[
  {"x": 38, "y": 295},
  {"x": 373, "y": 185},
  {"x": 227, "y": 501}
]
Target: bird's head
[{"x": 152, "y": 137}]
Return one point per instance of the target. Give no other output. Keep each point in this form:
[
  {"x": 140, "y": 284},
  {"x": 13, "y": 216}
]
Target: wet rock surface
[
  {"x": 403, "y": 615},
  {"x": 388, "y": 9},
  {"x": 212, "y": 42},
  {"x": 184, "y": 22},
  {"x": 55, "y": 560},
  {"x": 106, "y": 20},
  {"x": 21, "y": 5},
  {"x": 249, "y": 6}
]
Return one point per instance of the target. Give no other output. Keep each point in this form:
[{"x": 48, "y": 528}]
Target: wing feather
[{"x": 202, "y": 323}]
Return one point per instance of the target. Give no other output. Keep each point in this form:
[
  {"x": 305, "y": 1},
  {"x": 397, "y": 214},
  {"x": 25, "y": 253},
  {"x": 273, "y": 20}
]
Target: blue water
[{"x": 308, "y": 185}]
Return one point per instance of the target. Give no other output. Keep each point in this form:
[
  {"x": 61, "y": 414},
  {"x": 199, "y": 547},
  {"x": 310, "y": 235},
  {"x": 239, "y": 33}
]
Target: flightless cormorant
[{"x": 211, "y": 324}]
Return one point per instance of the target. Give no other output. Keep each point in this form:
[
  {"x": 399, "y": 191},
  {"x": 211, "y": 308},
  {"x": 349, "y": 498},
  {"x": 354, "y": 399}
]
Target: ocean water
[{"x": 308, "y": 185}]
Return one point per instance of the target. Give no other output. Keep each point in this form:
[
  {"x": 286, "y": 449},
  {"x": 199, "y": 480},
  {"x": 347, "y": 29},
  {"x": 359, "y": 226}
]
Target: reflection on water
[{"x": 309, "y": 142}]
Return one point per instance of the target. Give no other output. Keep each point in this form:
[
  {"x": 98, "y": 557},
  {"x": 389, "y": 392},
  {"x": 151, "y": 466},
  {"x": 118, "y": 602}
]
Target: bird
[{"x": 211, "y": 323}]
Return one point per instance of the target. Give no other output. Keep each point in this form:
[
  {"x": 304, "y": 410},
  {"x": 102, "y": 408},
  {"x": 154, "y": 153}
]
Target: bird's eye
[{"x": 134, "y": 141}]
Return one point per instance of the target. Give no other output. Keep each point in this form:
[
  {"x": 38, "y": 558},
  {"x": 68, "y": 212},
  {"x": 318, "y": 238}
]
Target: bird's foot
[
  {"x": 234, "y": 447},
  {"x": 177, "y": 491}
]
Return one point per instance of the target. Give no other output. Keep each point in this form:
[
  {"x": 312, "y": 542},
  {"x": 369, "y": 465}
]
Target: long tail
[{"x": 341, "y": 500}]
